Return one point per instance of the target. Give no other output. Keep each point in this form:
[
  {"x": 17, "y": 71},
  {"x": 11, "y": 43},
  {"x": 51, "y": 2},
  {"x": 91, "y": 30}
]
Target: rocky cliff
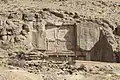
[{"x": 69, "y": 27}]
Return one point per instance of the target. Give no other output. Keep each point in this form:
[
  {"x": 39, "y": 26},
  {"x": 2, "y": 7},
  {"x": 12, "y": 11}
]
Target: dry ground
[{"x": 81, "y": 70}]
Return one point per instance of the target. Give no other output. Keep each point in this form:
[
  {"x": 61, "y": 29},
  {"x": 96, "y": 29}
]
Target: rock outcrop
[{"x": 71, "y": 28}]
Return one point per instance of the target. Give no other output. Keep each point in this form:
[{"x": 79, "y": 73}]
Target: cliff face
[{"x": 81, "y": 27}]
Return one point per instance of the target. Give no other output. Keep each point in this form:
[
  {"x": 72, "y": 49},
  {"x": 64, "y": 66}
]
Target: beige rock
[{"x": 88, "y": 34}]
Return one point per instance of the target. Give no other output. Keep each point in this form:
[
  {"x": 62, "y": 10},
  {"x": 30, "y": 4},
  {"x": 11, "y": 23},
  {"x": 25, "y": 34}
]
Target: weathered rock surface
[
  {"x": 69, "y": 27},
  {"x": 60, "y": 27},
  {"x": 33, "y": 30}
]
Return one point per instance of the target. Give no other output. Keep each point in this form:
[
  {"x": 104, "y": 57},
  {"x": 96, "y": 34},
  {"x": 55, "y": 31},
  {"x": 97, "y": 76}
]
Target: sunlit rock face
[
  {"x": 88, "y": 34},
  {"x": 88, "y": 28}
]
